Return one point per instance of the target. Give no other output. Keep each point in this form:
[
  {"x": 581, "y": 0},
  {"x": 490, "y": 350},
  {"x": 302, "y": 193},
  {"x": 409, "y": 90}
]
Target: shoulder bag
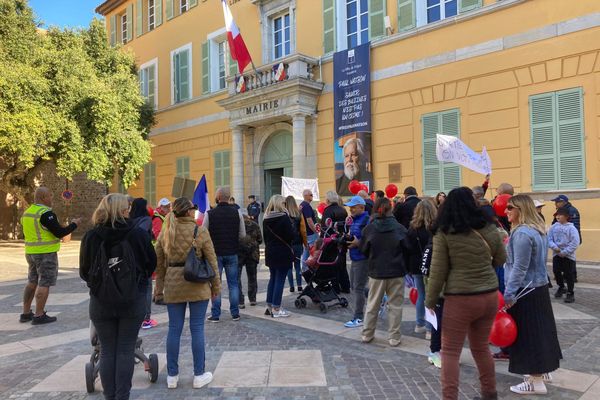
[{"x": 197, "y": 269}]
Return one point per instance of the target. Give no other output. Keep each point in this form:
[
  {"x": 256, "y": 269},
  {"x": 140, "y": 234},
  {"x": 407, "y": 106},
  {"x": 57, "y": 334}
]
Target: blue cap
[
  {"x": 561, "y": 197},
  {"x": 355, "y": 201}
]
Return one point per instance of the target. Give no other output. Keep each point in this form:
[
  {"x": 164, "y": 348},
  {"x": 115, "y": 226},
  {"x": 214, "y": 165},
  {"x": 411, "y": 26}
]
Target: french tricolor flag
[{"x": 238, "y": 49}]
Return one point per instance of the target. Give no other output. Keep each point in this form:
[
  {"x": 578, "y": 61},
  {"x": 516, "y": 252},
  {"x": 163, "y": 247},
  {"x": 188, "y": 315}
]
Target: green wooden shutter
[
  {"x": 570, "y": 139},
  {"x": 328, "y": 26},
  {"x": 376, "y": 18},
  {"x": 129, "y": 22},
  {"x": 226, "y": 168},
  {"x": 183, "y": 167},
  {"x": 205, "y": 67},
  {"x": 157, "y": 13},
  {"x": 407, "y": 18},
  {"x": 169, "y": 9},
  {"x": 193, "y": 3},
  {"x": 184, "y": 75},
  {"x": 233, "y": 66},
  {"x": 450, "y": 125},
  {"x": 218, "y": 170},
  {"x": 150, "y": 183},
  {"x": 113, "y": 30},
  {"x": 467, "y": 5},
  {"x": 138, "y": 18},
  {"x": 176, "y": 78},
  {"x": 543, "y": 145},
  {"x": 151, "y": 85},
  {"x": 431, "y": 166}
]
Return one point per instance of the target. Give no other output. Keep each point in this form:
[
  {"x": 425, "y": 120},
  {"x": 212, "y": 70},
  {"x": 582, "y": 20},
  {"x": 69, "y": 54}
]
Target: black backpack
[{"x": 113, "y": 276}]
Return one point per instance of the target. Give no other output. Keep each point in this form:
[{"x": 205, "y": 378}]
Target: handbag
[{"x": 197, "y": 269}]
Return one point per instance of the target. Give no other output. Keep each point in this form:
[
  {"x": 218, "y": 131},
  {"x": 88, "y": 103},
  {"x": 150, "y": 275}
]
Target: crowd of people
[{"x": 456, "y": 249}]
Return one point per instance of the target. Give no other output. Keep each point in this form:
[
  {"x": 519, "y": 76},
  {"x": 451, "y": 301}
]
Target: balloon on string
[
  {"x": 391, "y": 190},
  {"x": 504, "y": 330},
  {"x": 363, "y": 187},
  {"x": 373, "y": 196},
  {"x": 321, "y": 208},
  {"x": 413, "y": 295},
  {"x": 500, "y": 203},
  {"x": 354, "y": 186},
  {"x": 500, "y": 300}
]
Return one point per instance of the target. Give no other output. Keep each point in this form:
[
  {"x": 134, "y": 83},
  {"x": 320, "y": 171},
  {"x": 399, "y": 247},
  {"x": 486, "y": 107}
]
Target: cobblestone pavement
[{"x": 29, "y": 355}]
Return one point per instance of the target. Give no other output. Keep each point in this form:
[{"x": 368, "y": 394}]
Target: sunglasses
[{"x": 510, "y": 207}]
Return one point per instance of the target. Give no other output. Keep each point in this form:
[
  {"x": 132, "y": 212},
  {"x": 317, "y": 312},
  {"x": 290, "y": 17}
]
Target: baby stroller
[
  {"x": 321, "y": 273},
  {"x": 93, "y": 366}
]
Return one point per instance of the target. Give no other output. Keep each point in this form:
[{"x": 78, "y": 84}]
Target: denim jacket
[{"x": 526, "y": 262}]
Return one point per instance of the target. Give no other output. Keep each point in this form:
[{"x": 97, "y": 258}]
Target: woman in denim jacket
[{"x": 536, "y": 352}]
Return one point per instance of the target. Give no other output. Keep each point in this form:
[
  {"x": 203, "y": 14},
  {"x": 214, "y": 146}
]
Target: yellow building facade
[{"x": 520, "y": 77}]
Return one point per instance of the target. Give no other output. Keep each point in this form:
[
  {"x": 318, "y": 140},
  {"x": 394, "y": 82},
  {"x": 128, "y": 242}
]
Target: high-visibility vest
[
  {"x": 162, "y": 218},
  {"x": 38, "y": 239}
]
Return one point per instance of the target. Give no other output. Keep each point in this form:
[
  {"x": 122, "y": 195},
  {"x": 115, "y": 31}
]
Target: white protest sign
[
  {"x": 452, "y": 149},
  {"x": 295, "y": 187}
]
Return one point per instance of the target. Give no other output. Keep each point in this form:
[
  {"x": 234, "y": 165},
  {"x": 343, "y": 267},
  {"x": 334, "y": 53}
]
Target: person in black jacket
[
  {"x": 298, "y": 242},
  {"x": 339, "y": 214},
  {"x": 279, "y": 254},
  {"x": 404, "y": 211},
  {"x": 384, "y": 242},
  {"x": 117, "y": 327}
]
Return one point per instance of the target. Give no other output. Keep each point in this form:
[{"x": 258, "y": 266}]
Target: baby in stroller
[{"x": 92, "y": 368}]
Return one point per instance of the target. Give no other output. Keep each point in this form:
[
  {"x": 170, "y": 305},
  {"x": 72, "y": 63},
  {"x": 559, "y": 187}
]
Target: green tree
[{"x": 67, "y": 98}]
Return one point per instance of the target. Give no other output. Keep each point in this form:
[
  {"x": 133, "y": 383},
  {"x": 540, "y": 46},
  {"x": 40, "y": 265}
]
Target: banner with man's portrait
[{"x": 352, "y": 118}]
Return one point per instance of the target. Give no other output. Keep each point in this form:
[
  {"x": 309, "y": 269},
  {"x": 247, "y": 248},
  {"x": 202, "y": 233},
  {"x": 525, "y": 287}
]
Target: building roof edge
[{"x": 108, "y": 5}]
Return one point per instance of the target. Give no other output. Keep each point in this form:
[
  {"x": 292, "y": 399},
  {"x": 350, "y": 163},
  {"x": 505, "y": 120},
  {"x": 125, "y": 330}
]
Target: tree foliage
[{"x": 67, "y": 98}]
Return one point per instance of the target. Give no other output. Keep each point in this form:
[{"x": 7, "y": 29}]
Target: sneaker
[
  {"x": 366, "y": 339},
  {"x": 268, "y": 311},
  {"x": 428, "y": 335},
  {"x": 547, "y": 377},
  {"x": 172, "y": 381},
  {"x": 202, "y": 380},
  {"x": 354, "y": 323},
  {"x": 42, "y": 319},
  {"x": 26, "y": 317},
  {"x": 299, "y": 288},
  {"x": 212, "y": 319},
  {"x": 435, "y": 359},
  {"x": 292, "y": 289},
  {"x": 146, "y": 324},
  {"x": 281, "y": 313},
  {"x": 253, "y": 303},
  {"x": 420, "y": 329},
  {"x": 236, "y": 317},
  {"x": 500, "y": 356},
  {"x": 241, "y": 306},
  {"x": 394, "y": 342},
  {"x": 570, "y": 298},
  {"x": 530, "y": 386},
  {"x": 153, "y": 322},
  {"x": 559, "y": 293}
]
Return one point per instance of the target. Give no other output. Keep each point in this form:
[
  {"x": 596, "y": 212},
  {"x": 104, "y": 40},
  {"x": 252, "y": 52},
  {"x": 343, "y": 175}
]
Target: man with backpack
[{"x": 42, "y": 242}]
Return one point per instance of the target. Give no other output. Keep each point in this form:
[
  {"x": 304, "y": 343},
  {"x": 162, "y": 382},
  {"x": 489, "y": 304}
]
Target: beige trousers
[{"x": 394, "y": 288}]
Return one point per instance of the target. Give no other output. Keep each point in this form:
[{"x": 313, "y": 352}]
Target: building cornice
[{"x": 108, "y": 6}]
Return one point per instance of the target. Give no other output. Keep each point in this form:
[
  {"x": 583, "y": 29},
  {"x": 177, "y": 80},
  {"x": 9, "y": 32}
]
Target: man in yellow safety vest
[{"x": 42, "y": 241}]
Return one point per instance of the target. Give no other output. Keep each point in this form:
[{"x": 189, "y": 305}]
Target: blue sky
[{"x": 65, "y": 13}]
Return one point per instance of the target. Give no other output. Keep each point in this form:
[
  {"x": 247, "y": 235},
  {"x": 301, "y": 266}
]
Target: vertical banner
[{"x": 352, "y": 118}]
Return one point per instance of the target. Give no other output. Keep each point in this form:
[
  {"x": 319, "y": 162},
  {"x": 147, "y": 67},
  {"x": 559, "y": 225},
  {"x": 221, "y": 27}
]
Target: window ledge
[
  {"x": 193, "y": 100},
  {"x": 478, "y": 12}
]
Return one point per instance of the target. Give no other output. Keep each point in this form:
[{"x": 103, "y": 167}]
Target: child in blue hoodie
[{"x": 563, "y": 239}]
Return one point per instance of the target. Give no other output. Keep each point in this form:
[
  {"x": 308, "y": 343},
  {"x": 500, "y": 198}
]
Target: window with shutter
[
  {"x": 151, "y": 15},
  {"x": 377, "y": 13},
  {"x": 233, "y": 66},
  {"x": 182, "y": 74},
  {"x": 407, "y": 18},
  {"x": 169, "y": 10},
  {"x": 329, "y": 39},
  {"x": 150, "y": 183},
  {"x": 113, "y": 30},
  {"x": 438, "y": 176},
  {"x": 183, "y": 167},
  {"x": 205, "y": 67},
  {"x": 428, "y": 11},
  {"x": 124, "y": 26},
  {"x": 158, "y": 11},
  {"x": 129, "y": 22},
  {"x": 138, "y": 18},
  {"x": 148, "y": 82},
  {"x": 222, "y": 168},
  {"x": 468, "y": 5},
  {"x": 557, "y": 140}
]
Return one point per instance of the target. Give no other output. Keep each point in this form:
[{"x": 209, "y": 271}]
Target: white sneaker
[
  {"x": 172, "y": 381},
  {"x": 420, "y": 329},
  {"x": 202, "y": 380},
  {"x": 281, "y": 313},
  {"x": 435, "y": 359},
  {"x": 530, "y": 385},
  {"x": 547, "y": 377},
  {"x": 428, "y": 335},
  {"x": 394, "y": 342}
]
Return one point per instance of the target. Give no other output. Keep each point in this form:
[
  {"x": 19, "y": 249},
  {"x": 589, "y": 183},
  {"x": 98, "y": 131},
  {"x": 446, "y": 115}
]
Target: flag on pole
[
  {"x": 237, "y": 47},
  {"x": 279, "y": 71},
  {"x": 201, "y": 196}
]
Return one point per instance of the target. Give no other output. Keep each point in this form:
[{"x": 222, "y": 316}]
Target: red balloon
[
  {"x": 321, "y": 208},
  {"x": 413, "y": 295},
  {"x": 504, "y": 330},
  {"x": 500, "y": 203},
  {"x": 500, "y": 300},
  {"x": 391, "y": 190},
  {"x": 354, "y": 186},
  {"x": 364, "y": 187},
  {"x": 373, "y": 196}
]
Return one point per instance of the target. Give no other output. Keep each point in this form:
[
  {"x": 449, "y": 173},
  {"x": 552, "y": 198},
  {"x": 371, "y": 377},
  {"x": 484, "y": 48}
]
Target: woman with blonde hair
[
  {"x": 179, "y": 234},
  {"x": 117, "y": 325},
  {"x": 536, "y": 352},
  {"x": 278, "y": 233},
  {"x": 298, "y": 241}
]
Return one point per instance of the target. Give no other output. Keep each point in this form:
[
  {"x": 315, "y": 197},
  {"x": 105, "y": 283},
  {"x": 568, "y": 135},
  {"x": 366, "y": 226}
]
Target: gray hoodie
[{"x": 564, "y": 238}]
